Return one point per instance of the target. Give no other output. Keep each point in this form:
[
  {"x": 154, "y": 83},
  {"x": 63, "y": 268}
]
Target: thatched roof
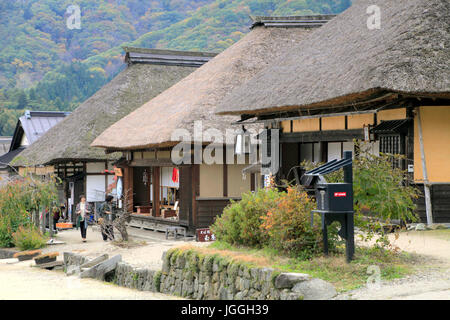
[
  {"x": 70, "y": 140},
  {"x": 196, "y": 97},
  {"x": 345, "y": 63}
]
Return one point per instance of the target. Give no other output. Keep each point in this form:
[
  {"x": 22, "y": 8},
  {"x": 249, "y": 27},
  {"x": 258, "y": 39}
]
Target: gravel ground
[
  {"x": 24, "y": 282},
  {"x": 20, "y": 281},
  {"x": 431, "y": 282},
  {"x": 148, "y": 247}
]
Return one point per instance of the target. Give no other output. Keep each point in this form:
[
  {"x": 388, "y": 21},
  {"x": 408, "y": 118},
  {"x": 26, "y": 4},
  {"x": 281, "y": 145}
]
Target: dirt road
[
  {"x": 21, "y": 281},
  {"x": 432, "y": 282}
]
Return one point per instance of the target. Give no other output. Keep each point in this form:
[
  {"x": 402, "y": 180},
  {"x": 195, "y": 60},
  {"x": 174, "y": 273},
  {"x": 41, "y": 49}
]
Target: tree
[
  {"x": 123, "y": 216},
  {"x": 22, "y": 101}
]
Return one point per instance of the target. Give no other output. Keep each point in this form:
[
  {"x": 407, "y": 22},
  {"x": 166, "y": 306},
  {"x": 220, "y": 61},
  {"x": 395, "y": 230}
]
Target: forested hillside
[{"x": 44, "y": 65}]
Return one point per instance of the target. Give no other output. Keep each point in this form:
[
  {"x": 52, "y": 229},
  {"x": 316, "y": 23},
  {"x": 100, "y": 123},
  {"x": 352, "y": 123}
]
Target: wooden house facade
[{"x": 388, "y": 87}]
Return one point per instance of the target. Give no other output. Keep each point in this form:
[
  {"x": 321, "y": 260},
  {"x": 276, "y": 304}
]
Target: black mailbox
[
  {"x": 334, "y": 197},
  {"x": 334, "y": 200}
]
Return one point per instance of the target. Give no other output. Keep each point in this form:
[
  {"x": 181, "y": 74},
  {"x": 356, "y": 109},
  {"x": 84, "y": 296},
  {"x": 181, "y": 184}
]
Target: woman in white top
[{"x": 83, "y": 210}]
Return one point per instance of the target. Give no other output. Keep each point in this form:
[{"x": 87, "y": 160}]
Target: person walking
[
  {"x": 107, "y": 216},
  {"x": 82, "y": 211}
]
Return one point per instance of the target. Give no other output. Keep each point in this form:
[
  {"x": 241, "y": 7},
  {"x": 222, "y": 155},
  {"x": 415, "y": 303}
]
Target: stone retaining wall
[{"x": 190, "y": 274}]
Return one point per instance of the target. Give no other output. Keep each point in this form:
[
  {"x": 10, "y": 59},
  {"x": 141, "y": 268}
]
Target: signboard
[
  {"x": 205, "y": 235},
  {"x": 366, "y": 133},
  {"x": 118, "y": 172}
]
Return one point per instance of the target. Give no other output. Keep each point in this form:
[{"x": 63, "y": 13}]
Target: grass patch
[
  {"x": 248, "y": 256},
  {"x": 334, "y": 269}
]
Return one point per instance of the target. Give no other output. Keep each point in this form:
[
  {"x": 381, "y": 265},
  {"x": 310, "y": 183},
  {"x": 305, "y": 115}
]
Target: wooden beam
[
  {"x": 318, "y": 136},
  {"x": 225, "y": 174},
  {"x": 156, "y": 185},
  {"x": 129, "y": 190},
  {"x": 426, "y": 183},
  {"x": 195, "y": 193},
  {"x": 151, "y": 163},
  {"x": 106, "y": 178}
]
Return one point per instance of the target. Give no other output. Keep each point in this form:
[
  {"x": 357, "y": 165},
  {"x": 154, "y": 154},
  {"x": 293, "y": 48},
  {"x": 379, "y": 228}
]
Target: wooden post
[
  {"x": 43, "y": 220},
  {"x": 156, "y": 182},
  {"x": 50, "y": 222},
  {"x": 429, "y": 209}
]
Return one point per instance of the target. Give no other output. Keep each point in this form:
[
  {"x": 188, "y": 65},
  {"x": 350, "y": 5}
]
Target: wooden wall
[
  {"x": 440, "y": 199},
  {"x": 436, "y": 139},
  {"x": 208, "y": 210}
]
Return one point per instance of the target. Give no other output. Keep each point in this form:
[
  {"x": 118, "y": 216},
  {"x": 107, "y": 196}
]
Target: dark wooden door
[
  {"x": 141, "y": 191},
  {"x": 185, "y": 215}
]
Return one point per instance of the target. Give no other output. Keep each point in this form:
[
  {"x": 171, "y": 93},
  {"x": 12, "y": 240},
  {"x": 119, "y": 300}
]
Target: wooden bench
[
  {"x": 174, "y": 231},
  {"x": 168, "y": 213},
  {"x": 144, "y": 209}
]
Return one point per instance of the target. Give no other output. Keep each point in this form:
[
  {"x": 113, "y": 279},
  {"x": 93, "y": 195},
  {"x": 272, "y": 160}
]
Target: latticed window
[{"x": 390, "y": 144}]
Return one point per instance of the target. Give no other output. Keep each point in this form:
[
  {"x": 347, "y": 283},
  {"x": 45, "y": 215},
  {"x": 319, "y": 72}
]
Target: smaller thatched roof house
[
  {"x": 66, "y": 147},
  {"x": 348, "y": 64},
  {"x": 149, "y": 72}
]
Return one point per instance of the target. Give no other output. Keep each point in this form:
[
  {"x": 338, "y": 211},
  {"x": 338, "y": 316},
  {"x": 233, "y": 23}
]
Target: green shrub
[
  {"x": 241, "y": 220},
  {"x": 18, "y": 198},
  {"x": 381, "y": 191},
  {"x": 288, "y": 225},
  {"x": 273, "y": 219},
  {"x": 28, "y": 238}
]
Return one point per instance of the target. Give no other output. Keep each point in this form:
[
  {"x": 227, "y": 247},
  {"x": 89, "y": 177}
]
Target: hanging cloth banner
[
  {"x": 119, "y": 188},
  {"x": 175, "y": 175}
]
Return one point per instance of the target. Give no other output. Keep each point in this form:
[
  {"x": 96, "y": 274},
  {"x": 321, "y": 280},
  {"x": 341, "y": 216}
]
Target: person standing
[
  {"x": 56, "y": 216},
  {"x": 82, "y": 210},
  {"x": 107, "y": 216}
]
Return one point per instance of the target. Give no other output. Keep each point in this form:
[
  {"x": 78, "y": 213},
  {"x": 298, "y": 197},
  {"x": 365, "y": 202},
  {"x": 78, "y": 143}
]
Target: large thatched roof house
[
  {"x": 388, "y": 84},
  {"x": 147, "y": 133},
  {"x": 67, "y": 145}
]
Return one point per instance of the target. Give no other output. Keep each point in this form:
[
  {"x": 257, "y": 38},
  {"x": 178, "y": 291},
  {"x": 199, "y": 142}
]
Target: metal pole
[
  {"x": 348, "y": 170},
  {"x": 426, "y": 184},
  {"x": 349, "y": 220}
]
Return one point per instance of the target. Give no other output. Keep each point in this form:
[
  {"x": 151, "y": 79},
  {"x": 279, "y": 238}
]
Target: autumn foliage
[
  {"x": 18, "y": 199},
  {"x": 273, "y": 219}
]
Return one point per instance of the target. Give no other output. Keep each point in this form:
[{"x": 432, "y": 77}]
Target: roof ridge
[
  {"x": 169, "y": 52},
  {"x": 315, "y": 20},
  {"x": 167, "y": 57}
]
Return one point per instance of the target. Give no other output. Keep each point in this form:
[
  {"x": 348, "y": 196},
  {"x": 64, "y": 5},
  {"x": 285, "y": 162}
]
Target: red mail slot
[{"x": 340, "y": 194}]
